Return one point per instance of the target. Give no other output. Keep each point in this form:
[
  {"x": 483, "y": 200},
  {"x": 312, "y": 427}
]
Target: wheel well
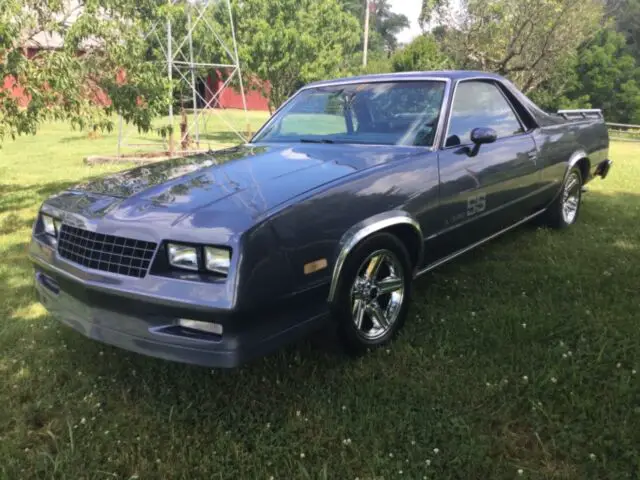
[
  {"x": 584, "y": 165},
  {"x": 410, "y": 238}
]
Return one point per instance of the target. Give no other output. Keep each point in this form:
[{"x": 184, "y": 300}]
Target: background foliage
[
  {"x": 104, "y": 38},
  {"x": 293, "y": 42},
  {"x": 563, "y": 53}
]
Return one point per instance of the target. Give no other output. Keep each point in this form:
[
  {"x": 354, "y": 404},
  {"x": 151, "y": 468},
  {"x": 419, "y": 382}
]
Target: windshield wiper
[{"x": 316, "y": 140}]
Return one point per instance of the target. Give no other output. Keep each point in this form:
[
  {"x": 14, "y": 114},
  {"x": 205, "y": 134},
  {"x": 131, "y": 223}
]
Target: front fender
[{"x": 362, "y": 230}]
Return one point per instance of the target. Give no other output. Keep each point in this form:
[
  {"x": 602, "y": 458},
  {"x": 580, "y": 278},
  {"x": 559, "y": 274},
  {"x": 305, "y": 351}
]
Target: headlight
[
  {"x": 217, "y": 260},
  {"x": 183, "y": 256},
  {"x": 50, "y": 225}
]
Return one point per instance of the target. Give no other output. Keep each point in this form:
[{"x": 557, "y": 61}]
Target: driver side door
[{"x": 483, "y": 188}]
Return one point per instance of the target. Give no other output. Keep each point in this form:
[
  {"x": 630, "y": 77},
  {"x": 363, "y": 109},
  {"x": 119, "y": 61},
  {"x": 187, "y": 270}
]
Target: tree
[
  {"x": 429, "y": 11},
  {"x": 101, "y": 51},
  {"x": 388, "y": 24},
  {"x": 609, "y": 76},
  {"x": 291, "y": 42},
  {"x": 384, "y": 26},
  {"x": 422, "y": 54},
  {"x": 626, "y": 15},
  {"x": 552, "y": 95},
  {"x": 603, "y": 74},
  {"x": 524, "y": 40}
]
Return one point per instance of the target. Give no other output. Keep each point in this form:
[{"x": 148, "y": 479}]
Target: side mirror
[{"x": 480, "y": 136}]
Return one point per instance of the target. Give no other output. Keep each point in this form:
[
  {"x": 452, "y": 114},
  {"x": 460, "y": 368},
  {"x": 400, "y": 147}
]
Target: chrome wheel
[
  {"x": 571, "y": 198},
  {"x": 377, "y": 294}
]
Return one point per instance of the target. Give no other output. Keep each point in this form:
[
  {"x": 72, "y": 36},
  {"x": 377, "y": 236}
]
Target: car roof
[{"x": 448, "y": 74}]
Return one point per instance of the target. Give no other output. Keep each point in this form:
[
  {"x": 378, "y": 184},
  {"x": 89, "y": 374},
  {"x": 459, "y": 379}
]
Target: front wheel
[
  {"x": 564, "y": 210},
  {"x": 373, "y": 293}
]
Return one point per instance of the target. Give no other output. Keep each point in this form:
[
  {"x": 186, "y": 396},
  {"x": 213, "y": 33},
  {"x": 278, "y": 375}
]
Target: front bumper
[{"x": 148, "y": 323}]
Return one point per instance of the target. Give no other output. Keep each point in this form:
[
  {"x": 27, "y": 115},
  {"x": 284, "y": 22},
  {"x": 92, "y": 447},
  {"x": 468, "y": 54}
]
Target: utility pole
[{"x": 366, "y": 33}]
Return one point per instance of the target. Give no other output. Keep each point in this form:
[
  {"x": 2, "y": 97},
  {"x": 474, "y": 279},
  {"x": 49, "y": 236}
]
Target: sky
[{"x": 410, "y": 8}]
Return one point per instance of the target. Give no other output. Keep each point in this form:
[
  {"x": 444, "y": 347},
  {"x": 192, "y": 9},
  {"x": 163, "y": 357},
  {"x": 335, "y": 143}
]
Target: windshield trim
[{"x": 443, "y": 108}]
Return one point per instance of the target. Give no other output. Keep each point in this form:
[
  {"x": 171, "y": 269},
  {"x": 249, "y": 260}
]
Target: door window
[{"x": 480, "y": 104}]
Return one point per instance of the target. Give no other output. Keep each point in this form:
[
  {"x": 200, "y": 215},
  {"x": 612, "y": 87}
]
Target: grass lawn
[{"x": 518, "y": 360}]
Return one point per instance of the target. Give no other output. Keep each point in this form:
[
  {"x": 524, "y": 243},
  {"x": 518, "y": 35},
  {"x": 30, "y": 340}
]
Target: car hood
[
  {"x": 232, "y": 187},
  {"x": 260, "y": 176}
]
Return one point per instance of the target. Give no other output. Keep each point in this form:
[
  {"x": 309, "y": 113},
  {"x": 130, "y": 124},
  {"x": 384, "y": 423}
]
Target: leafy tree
[
  {"x": 422, "y": 54},
  {"x": 102, "y": 51},
  {"x": 603, "y": 74},
  {"x": 609, "y": 76},
  {"x": 626, "y": 16},
  {"x": 291, "y": 42},
  {"x": 429, "y": 11},
  {"x": 384, "y": 23},
  {"x": 524, "y": 40},
  {"x": 388, "y": 24},
  {"x": 552, "y": 95},
  {"x": 378, "y": 62}
]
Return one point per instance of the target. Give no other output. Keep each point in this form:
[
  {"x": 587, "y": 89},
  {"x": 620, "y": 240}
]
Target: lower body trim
[{"x": 474, "y": 245}]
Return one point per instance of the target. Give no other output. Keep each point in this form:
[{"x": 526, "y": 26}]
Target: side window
[{"x": 480, "y": 104}]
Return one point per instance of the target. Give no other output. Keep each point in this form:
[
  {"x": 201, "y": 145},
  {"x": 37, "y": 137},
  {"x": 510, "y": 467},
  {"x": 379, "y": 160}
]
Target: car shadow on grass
[
  {"x": 15, "y": 281},
  {"x": 17, "y": 197},
  {"x": 12, "y": 223}
]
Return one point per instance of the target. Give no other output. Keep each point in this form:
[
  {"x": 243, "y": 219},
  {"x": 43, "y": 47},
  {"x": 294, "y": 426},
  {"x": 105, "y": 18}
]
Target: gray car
[{"x": 351, "y": 190}]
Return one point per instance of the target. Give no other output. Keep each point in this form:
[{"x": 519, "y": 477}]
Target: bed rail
[{"x": 581, "y": 113}]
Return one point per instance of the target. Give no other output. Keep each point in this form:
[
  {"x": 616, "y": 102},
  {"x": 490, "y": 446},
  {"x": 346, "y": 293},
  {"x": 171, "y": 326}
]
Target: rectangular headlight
[
  {"x": 183, "y": 256},
  {"x": 49, "y": 224},
  {"x": 217, "y": 260}
]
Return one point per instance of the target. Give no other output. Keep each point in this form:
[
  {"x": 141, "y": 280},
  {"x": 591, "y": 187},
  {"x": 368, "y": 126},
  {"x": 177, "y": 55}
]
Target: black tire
[
  {"x": 555, "y": 216},
  {"x": 358, "y": 340}
]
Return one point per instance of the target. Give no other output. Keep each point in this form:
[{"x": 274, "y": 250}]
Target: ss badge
[{"x": 476, "y": 204}]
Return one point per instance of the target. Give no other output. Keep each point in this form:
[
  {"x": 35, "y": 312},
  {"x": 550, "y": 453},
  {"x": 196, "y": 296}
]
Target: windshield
[{"x": 385, "y": 113}]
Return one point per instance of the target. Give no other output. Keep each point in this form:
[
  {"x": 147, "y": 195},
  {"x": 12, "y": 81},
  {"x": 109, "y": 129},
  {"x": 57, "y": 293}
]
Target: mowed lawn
[{"x": 519, "y": 360}]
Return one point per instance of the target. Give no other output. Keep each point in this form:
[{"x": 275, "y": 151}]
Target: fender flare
[
  {"x": 362, "y": 230},
  {"x": 573, "y": 160}
]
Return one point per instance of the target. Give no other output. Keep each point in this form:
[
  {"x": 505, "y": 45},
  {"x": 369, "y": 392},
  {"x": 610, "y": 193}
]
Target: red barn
[{"x": 229, "y": 97}]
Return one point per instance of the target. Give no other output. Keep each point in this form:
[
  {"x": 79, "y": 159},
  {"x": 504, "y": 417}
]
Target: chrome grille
[{"x": 108, "y": 253}]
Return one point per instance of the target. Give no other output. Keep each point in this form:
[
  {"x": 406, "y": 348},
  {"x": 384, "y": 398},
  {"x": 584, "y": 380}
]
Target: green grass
[{"x": 449, "y": 399}]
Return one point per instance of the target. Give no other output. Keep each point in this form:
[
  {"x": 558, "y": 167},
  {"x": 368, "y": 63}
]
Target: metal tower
[{"x": 185, "y": 66}]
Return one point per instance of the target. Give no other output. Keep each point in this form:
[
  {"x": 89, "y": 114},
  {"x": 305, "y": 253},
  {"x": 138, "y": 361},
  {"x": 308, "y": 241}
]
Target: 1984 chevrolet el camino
[{"x": 352, "y": 189}]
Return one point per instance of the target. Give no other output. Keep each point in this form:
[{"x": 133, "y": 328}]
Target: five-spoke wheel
[
  {"x": 571, "y": 197},
  {"x": 377, "y": 294},
  {"x": 564, "y": 210},
  {"x": 373, "y": 292}
]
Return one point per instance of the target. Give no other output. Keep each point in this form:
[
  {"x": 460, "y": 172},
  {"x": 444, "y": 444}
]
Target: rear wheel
[
  {"x": 373, "y": 293},
  {"x": 564, "y": 210}
]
